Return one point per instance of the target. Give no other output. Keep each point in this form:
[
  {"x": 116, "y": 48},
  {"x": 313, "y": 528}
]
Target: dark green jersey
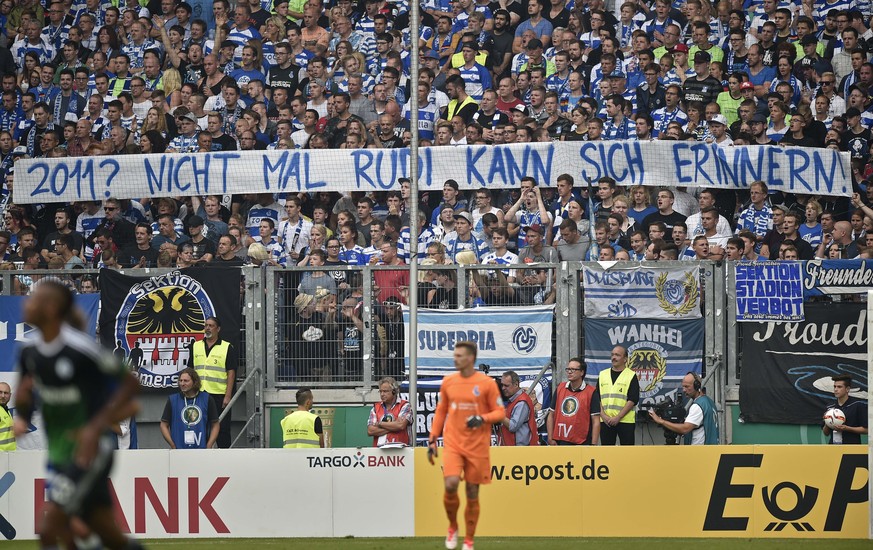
[{"x": 74, "y": 379}]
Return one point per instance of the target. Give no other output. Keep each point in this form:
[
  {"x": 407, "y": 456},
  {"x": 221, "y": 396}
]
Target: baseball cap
[
  {"x": 781, "y": 207},
  {"x": 465, "y": 215},
  {"x": 680, "y": 48},
  {"x": 19, "y": 151},
  {"x": 852, "y": 111},
  {"x": 536, "y": 228},
  {"x": 195, "y": 221},
  {"x": 391, "y": 301},
  {"x": 702, "y": 57},
  {"x": 807, "y": 62},
  {"x": 747, "y": 86},
  {"x": 472, "y": 45},
  {"x": 189, "y": 116},
  {"x": 719, "y": 119},
  {"x": 228, "y": 44},
  {"x": 759, "y": 118},
  {"x": 521, "y": 108},
  {"x": 808, "y": 39},
  {"x": 617, "y": 74},
  {"x": 534, "y": 43},
  {"x": 430, "y": 54}
]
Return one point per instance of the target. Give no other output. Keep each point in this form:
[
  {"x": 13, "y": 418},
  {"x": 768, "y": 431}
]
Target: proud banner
[{"x": 508, "y": 338}]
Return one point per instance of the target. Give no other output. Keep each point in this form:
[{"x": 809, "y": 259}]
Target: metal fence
[{"x": 340, "y": 328}]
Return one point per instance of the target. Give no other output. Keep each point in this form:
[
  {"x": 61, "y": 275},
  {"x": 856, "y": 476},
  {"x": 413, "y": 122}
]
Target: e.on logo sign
[
  {"x": 818, "y": 502},
  {"x": 195, "y": 493}
]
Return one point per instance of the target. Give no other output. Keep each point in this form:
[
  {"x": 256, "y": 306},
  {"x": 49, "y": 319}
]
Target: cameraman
[{"x": 700, "y": 427}]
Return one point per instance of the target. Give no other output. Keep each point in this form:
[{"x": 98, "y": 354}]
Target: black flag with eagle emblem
[{"x": 151, "y": 320}]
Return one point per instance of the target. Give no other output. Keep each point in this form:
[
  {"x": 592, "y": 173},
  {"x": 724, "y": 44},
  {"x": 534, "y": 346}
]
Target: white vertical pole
[
  {"x": 414, "y": 25},
  {"x": 869, "y": 414}
]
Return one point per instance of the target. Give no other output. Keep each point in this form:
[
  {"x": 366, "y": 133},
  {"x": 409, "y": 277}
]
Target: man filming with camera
[{"x": 700, "y": 426}]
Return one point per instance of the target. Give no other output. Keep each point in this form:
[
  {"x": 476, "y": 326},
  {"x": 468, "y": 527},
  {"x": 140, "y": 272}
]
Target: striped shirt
[
  {"x": 477, "y": 79},
  {"x": 427, "y": 117}
]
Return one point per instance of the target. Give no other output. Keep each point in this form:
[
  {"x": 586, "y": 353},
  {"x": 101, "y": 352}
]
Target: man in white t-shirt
[{"x": 700, "y": 422}]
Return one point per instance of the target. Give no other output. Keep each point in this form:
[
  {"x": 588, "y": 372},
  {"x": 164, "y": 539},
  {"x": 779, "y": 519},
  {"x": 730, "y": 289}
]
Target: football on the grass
[{"x": 834, "y": 418}]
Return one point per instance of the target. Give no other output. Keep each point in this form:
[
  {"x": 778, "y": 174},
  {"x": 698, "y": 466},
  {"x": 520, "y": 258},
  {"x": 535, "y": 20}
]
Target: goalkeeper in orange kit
[{"x": 469, "y": 403}]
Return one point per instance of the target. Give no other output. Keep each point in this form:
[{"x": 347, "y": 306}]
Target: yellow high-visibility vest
[
  {"x": 613, "y": 397},
  {"x": 7, "y": 438},
  {"x": 298, "y": 431},
  {"x": 211, "y": 368}
]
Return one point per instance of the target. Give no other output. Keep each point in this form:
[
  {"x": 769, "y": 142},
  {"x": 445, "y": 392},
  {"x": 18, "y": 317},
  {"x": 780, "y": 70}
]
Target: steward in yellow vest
[
  {"x": 7, "y": 437},
  {"x": 214, "y": 360},
  {"x": 302, "y": 429},
  {"x": 618, "y": 391}
]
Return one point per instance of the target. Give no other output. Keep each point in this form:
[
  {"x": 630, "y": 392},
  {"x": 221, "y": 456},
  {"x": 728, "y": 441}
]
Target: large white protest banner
[
  {"x": 508, "y": 338},
  {"x": 655, "y": 163}
]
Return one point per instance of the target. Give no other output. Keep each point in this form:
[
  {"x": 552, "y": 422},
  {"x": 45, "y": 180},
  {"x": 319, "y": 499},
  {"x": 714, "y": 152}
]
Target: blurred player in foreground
[
  {"x": 83, "y": 391},
  {"x": 469, "y": 403}
]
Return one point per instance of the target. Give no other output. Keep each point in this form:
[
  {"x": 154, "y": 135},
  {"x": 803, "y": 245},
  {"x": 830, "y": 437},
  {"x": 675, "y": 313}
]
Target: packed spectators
[{"x": 94, "y": 77}]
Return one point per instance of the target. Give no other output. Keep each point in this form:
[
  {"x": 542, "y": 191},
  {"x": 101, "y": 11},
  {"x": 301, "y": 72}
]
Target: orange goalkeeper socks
[
  {"x": 471, "y": 517},
  {"x": 452, "y": 502}
]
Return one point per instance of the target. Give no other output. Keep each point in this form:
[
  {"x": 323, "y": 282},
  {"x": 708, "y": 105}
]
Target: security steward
[
  {"x": 7, "y": 438},
  {"x": 390, "y": 421},
  {"x": 570, "y": 422},
  {"x": 215, "y": 361},
  {"x": 302, "y": 429},
  {"x": 618, "y": 391},
  {"x": 700, "y": 426},
  {"x": 519, "y": 427}
]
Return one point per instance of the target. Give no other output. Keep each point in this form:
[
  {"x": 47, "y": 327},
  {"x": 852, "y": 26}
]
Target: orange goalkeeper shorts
[{"x": 476, "y": 470}]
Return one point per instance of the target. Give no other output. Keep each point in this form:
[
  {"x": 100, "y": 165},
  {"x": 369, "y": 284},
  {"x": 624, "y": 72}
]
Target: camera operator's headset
[{"x": 698, "y": 383}]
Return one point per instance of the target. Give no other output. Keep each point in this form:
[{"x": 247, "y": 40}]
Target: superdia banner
[
  {"x": 661, "y": 353},
  {"x": 641, "y": 292},
  {"x": 152, "y": 320},
  {"x": 508, "y": 338},
  {"x": 787, "y": 367},
  {"x": 771, "y": 491}
]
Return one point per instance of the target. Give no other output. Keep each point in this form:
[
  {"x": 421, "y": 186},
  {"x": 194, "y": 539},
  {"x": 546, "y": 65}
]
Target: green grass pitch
[{"x": 488, "y": 543}]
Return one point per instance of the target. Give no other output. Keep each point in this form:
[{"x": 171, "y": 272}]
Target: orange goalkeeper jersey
[{"x": 461, "y": 398}]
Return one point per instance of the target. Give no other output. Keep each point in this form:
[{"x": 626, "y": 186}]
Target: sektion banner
[
  {"x": 787, "y": 367},
  {"x": 641, "y": 292},
  {"x": 508, "y": 338},
  {"x": 769, "y": 291},
  {"x": 152, "y": 320},
  {"x": 790, "y": 169},
  {"x": 660, "y": 352}
]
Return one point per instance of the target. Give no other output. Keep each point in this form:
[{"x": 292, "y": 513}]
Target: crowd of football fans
[{"x": 97, "y": 77}]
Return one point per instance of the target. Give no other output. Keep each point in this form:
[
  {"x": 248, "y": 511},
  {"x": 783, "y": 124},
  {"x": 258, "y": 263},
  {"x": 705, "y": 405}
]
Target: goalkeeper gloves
[
  {"x": 475, "y": 421},
  {"x": 431, "y": 451}
]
